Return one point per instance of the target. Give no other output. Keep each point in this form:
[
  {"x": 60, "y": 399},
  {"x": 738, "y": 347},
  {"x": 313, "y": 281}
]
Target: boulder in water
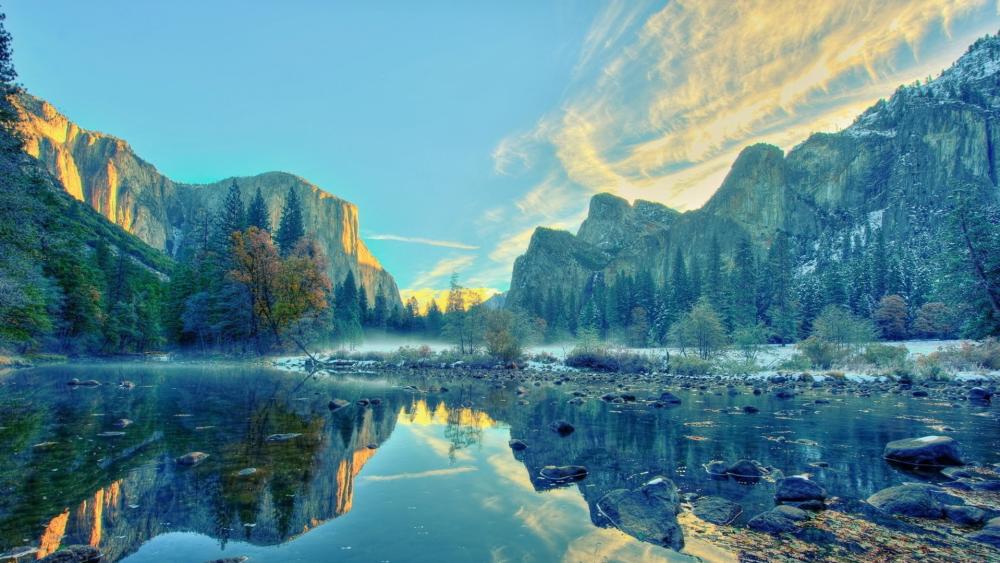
[
  {"x": 337, "y": 404},
  {"x": 798, "y": 489},
  {"x": 563, "y": 473},
  {"x": 772, "y": 522},
  {"x": 990, "y": 534},
  {"x": 979, "y": 395},
  {"x": 648, "y": 513},
  {"x": 716, "y": 510},
  {"x": 746, "y": 469},
  {"x": 926, "y": 451},
  {"x": 562, "y": 428},
  {"x": 517, "y": 445},
  {"x": 909, "y": 499},
  {"x": 192, "y": 458}
]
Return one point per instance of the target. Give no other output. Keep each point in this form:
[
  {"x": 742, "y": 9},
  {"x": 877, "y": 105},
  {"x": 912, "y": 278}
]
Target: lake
[{"x": 419, "y": 474}]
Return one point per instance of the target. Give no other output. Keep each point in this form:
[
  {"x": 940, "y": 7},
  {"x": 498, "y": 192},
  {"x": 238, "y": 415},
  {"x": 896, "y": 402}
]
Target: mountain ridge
[{"x": 103, "y": 171}]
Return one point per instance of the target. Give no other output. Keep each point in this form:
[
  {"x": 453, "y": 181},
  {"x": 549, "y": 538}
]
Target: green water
[{"x": 421, "y": 476}]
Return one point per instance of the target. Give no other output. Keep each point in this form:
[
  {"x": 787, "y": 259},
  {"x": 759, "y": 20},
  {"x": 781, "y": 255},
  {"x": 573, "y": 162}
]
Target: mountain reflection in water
[{"x": 444, "y": 486}]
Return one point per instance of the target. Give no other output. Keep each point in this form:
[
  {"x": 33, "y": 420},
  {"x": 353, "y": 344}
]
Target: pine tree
[
  {"x": 744, "y": 292},
  {"x": 231, "y": 218},
  {"x": 713, "y": 274},
  {"x": 681, "y": 291},
  {"x": 290, "y": 228},
  {"x": 257, "y": 213},
  {"x": 347, "y": 315}
]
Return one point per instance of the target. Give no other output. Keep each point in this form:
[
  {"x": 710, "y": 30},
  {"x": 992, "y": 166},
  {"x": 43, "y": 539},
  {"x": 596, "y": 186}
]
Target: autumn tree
[{"x": 890, "y": 315}]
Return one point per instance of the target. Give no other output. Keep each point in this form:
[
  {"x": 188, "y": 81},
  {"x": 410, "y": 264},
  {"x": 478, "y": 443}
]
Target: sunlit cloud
[
  {"x": 664, "y": 97},
  {"x": 426, "y": 241},
  {"x": 443, "y": 269}
]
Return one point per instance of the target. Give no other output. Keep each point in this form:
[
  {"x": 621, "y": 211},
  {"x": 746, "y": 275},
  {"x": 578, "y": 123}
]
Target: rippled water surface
[{"x": 423, "y": 475}]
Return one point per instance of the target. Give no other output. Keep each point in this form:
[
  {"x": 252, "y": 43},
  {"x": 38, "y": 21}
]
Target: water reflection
[{"x": 66, "y": 480}]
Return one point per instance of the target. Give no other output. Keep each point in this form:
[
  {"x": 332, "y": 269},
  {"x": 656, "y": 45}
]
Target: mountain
[
  {"x": 889, "y": 179},
  {"x": 105, "y": 173}
]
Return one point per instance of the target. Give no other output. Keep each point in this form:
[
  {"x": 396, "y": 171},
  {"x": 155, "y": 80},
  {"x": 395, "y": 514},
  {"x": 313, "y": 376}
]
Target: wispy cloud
[
  {"x": 421, "y": 474},
  {"x": 442, "y": 269},
  {"x": 426, "y": 241},
  {"x": 664, "y": 97}
]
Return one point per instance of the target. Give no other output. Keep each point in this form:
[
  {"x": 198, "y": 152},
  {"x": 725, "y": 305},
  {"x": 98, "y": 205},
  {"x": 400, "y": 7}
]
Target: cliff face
[
  {"x": 105, "y": 173},
  {"x": 894, "y": 169}
]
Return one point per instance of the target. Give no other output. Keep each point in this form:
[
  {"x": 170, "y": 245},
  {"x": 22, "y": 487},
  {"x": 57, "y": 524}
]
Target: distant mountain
[
  {"x": 103, "y": 172},
  {"x": 888, "y": 179}
]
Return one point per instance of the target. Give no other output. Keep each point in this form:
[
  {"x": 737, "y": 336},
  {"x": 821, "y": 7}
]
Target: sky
[{"x": 459, "y": 127}]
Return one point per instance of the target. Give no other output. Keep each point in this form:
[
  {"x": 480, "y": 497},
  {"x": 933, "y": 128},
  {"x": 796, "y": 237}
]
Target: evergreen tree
[
  {"x": 347, "y": 314},
  {"x": 713, "y": 274},
  {"x": 681, "y": 291},
  {"x": 257, "y": 213},
  {"x": 744, "y": 287},
  {"x": 291, "y": 228},
  {"x": 231, "y": 218}
]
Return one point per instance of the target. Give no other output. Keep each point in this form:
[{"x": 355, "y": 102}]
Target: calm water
[{"x": 421, "y": 476}]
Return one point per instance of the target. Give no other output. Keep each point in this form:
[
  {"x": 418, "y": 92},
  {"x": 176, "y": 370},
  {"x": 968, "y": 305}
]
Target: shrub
[
  {"x": 700, "y": 329},
  {"x": 822, "y": 354},
  {"x": 689, "y": 365},
  {"x": 929, "y": 367},
  {"x": 837, "y": 326},
  {"x": 748, "y": 340},
  {"x": 796, "y": 362},
  {"x": 884, "y": 355}
]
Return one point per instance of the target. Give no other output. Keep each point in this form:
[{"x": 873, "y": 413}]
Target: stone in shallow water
[
  {"x": 909, "y": 499},
  {"x": 925, "y": 451},
  {"x": 798, "y": 489},
  {"x": 283, "y": 437},
  {"x": 979, "y": 395},
  {"x": 562, "y": 427},
  {"x": 716, "y": 510},
  {"x": 965, "y": 515},
  {"x": 990, "y": 534},
  {"x": 772, "y": 522},
  {"x": 648, "y": 513},
  {"x": 563, "y": 473},
  {"x": 669, "y": 398},
  {"x": 791, "y": 512},
  {"x": 716, "y": 468},
  {"x": 746, "y": 469},
  {"x": 192, "y": 458},
  {"x": 517, "y": 445},
  {"x": 246, "y": 472}
]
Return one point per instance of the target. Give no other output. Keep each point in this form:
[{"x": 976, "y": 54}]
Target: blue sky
[{"x": 457, "y": 127}]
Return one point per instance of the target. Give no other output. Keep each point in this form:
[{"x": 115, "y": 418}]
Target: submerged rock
[
  {"x": 282, "y": 437},
  {"x": 517, "y": 445},
  {"x": 246, "y": 472},
  {"x": 925, "y": 451},
  {"x": 746, "y": 469},
  {"x": 990, "y": 534},
  {"x": 563, "y": 473},
  {"x": 979, "y": 395},
  {"x": 648, "y": 513},
  {"x": 716, "y": 510},
  {"x": 909, "y": 499},
  {"x": 562, "y": 427},
  {"x": 716, "y": 468},
  {"x": 192, "y": 458},
  {"x": 669, "y": 398},
  {"x": 798, "y": 489}
]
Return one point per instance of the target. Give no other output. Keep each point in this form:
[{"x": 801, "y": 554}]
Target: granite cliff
[{"x": 105, "y": 173}]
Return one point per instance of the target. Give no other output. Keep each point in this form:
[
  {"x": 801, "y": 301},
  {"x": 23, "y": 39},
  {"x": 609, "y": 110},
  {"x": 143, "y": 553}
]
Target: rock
[
  {"x": 562, "y": 427},
  {"x": 716, "y": 468},
  {"x": 193, "y": 458},
  {"x": 990, "y": 534},
  {"x": 669, "y": 398},
  {"x": 956, "y": 473},
  {"x": 282, "y": 437},
  {"x": 362, "y": 402},
  {"x": 965, "y": 515},
  {"x": 785, "y": 393},
  {"x": 812, "y": 505},
  {"x": 926, "y": 451},
  {"x": 919, "y": 393},
  {"x": 648, "y": 513},
  {"x": 337, "y": 404},
  {"x": 246, "y": 472},
  {"x": 991, "y": 485},
  {"x": 716, "y": 510},
  {"x": 517, "y": 445},
  {"x": 791, "y": 512},
  {"x": 979, "y": 395},
  {"x": 746, "y": 469},
  {"x": 772, "y": 522},
  {"x": 798, "y": 489},
  {"x": 75, "y": 554},
  {"x": 910, "y": 499},
  {"x": 563, "y": 473},
  {"x": 750, "y": 409},
  {"x": 73, "y": 382}
]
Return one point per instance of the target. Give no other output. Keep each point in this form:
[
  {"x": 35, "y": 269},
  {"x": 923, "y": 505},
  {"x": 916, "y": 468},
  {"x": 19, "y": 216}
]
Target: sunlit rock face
[
  {"x": 104, "y": 172},
  {"x": 893, "y": 169}
]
